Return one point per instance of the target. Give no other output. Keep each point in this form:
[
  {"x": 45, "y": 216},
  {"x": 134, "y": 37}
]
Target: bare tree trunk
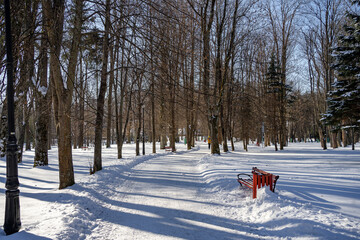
[
  {"x": 22, "y": 125},
  {"x": 163, "y": 138},
  {"x": 27, "y": 137},
  {"x": 275, "y": 142},
  {"x": 42, "y": 107},
  {"x": 119, "y": 109},
  {"x": 344, "y": 137},
  {"x": 75, "y": 130},
  {"x": 188, "y": 101},
  {"x": 322, "y": 136},
  {"x": 66, "y": 171},
  {"x": 206, "y": 26},
  {"x": 26, "y": 74},
  {"x": 231, "y": 138},
  {"x": 223, "y": 129},
  {"x": 101, "y": 97},
  {"x": 54, "y": 13},
  {"x": 173, "y": 126},
  {"x": 121, "y": 127},
  {"x": 229, "y": 101},
  {"x": 172, "y": 103},
  {"x": 152, "y": 84},
  {"x": 333, "y": 139},
  {"x": 223, "y": 74},
  {"x": 282, "y": 119},
  {"x": 109, "y": 113},
  {"x": 81, "y": 104},
  {"x": 191, "y": 138},
  {"x": 352, "y": 139},
  {"x": 138, "y": 127},
  {"x": 153, "y": 121},
  {"x": 117, "y": 126}
]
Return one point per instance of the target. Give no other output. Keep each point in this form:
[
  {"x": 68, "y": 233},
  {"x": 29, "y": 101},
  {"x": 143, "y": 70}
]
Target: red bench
[{"x": 258, "y": 179}]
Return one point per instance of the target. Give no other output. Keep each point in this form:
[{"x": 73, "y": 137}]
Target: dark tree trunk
[
  {"x": 352, "y": 139},
  {"x": 223, "y": 129},
  {"x": 101, "y": 98},
  {"x": 111, "y": 82},
  {"x": 42, "y": 107},
  {"x": 81, "y": 119},
  {"x": 153, "y": 126},
  {"x": 138, "y": 127},
  {"x": 27, "y": 137},
  {"x": 66, "y": 170},
  {"x": 54, "y": 13},
  {"x": 206, "y": 26}
]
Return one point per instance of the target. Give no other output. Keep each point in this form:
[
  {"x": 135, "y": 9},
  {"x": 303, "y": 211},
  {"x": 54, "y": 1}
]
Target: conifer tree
[
  {"x": 279, "y": 93},
  {"x": 344, "y": 101},
  {"x": 273, "y": 89}
]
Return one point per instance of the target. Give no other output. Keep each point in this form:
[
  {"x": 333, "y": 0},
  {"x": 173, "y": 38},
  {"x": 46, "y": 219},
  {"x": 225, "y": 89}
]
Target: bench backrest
[{"x": 262, "y": 178}]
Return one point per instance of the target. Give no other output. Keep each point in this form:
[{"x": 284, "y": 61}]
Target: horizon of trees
[{"x": 89, "y": 72}]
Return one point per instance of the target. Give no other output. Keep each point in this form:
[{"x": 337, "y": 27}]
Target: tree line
[{"x": 89, "y": 72}]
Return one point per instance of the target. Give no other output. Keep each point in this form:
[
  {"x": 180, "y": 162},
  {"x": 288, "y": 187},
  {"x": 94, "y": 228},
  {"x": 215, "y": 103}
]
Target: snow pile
[{"x": 279, "y": 214}]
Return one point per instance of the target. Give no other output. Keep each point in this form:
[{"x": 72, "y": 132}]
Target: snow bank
[{"x": 300, "y": 213}]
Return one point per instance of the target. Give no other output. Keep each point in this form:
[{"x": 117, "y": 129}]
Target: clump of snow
[{"x": 43, "y": 90}]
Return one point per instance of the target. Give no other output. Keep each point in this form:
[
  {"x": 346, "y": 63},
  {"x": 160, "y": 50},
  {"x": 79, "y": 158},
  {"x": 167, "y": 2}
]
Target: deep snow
[{"x": 192, "y": 195}]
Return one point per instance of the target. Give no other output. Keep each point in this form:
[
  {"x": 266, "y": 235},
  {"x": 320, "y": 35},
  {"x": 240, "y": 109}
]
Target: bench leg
[
  {"x": 255, "y": 184},
  {"x": 271, "y": 182}
]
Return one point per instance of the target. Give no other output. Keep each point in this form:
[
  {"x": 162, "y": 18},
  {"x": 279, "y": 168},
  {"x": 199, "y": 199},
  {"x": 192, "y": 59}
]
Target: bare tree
[
  {"x": 63, "y": 90},
  {"x": 101, "y": 97},
  {"x": 282, "y": 19},
  {"x": 43, "y": 103}
]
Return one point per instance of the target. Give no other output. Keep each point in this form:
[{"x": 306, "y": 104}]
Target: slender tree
[
  {"x": 42, "y": 99},
  {"x": 101, "y": 97}
]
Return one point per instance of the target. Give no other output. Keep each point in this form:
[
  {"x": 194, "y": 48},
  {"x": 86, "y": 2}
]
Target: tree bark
[
  {"x": 206, "y": 26},
  {"x": 101, "y": 97},
  {"x": 109, "y": 113},
  {"x": 42, "y": 106},
  {"x": 81, "y": 119}
]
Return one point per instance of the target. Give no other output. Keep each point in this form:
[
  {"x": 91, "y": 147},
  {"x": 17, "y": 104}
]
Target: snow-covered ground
[{"x": 192, "y": 195}]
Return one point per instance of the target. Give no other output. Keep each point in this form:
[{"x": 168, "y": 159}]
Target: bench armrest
[
  {"x": 275, "y": 180},
  {"x": 245, "y": 174}
]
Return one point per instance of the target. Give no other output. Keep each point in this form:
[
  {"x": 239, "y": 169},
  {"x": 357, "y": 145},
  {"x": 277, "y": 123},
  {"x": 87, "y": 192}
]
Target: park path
[{"x": 163, "y": 198}]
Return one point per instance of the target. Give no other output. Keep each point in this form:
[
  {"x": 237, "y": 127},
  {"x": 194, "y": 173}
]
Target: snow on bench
[{"x": 258, "y": 179}]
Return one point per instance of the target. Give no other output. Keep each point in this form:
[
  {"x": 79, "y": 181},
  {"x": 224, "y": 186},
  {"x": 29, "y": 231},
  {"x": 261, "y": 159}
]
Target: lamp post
[
  {"x": 143, "y": 127},
  {"x": 12, "y": 207}
]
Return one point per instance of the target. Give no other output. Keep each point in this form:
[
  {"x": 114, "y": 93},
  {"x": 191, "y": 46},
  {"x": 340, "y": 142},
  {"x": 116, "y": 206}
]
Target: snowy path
[{"x": 161, "y": 199}]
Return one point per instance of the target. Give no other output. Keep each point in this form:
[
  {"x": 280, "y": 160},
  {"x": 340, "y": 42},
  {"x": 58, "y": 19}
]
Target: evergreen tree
[
  {"x": 274, "y": 89},
  {"x": 273, "y": 76},
  {"x": 344, "y": 100}
]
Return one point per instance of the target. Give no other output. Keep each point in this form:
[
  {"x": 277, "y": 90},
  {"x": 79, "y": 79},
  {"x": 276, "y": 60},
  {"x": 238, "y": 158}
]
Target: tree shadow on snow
[
  {"x": 180, "y": 223},
  {"x": 22, "y": 234}
]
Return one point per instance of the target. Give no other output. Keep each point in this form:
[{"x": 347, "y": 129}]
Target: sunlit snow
[{"x": 192, "y": 195}]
